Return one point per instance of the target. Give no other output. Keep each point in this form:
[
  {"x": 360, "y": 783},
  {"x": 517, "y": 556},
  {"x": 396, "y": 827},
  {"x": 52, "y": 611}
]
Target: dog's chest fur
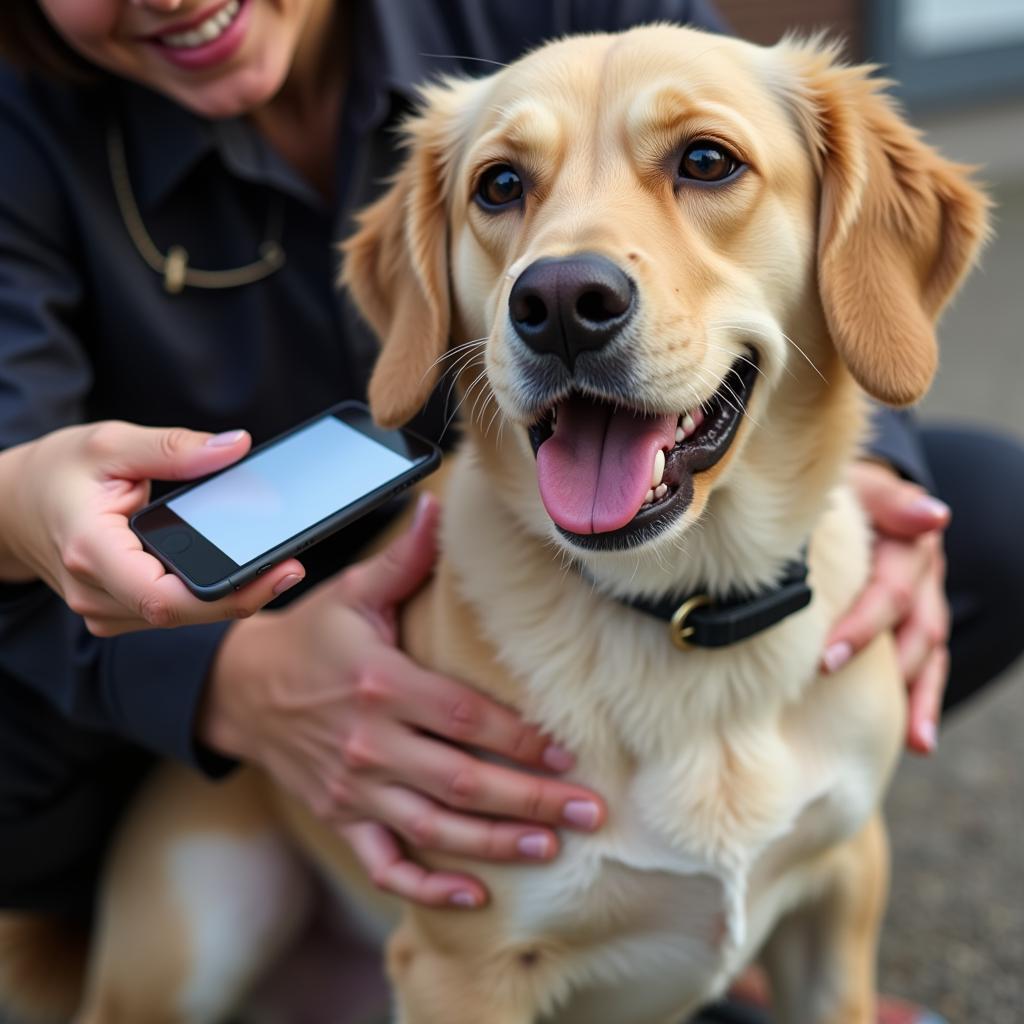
[{"x": 717, "y": 778}]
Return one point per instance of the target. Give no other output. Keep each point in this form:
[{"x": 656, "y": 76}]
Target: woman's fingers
[
  {"x": 426, "y": 825},
  {"x": 924, "y": 659},
  {"x": 141, "y": 585},
  {"x": 927, "y": 627},
  {"x": 390, "y": 870},
  {"x": 142, "y": 588},
  {"x": 926, "y": 702},
  {"x": 450, "y": 709},
  {"x": 895, "y": 507},
  {"x": 396, "y": 573},
  {"x": 125, "y": 451},
  {"x": 459, "y": 780},
  {"x": 886, "y": 601}
]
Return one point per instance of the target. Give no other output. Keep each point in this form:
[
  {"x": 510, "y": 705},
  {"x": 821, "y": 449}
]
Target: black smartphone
[{"x": 283, "y": 497}]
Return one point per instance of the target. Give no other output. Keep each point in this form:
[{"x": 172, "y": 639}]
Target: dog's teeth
[
  {"x": 689, "y": 426},
  {"x": 658, "y": 470},
  {"x": 680, "y": 434},
  {"x": 649, "y": 497},
  {"x": 660, "y": 491}
]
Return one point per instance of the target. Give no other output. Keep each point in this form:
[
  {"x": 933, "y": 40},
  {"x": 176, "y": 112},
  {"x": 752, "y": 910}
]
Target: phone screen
[{"x": 287, "y": 487}]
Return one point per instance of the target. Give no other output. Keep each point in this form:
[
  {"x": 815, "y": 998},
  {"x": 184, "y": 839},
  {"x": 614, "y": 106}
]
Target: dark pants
[{"x": 981, "y": 477}]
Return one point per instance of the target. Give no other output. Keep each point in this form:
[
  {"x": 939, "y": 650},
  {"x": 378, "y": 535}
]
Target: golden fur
[{"x": 744, "y": 787}]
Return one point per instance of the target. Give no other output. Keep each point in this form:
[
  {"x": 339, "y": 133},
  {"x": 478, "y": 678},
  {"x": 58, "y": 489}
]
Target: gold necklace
[{"x": 173, "y": 266}]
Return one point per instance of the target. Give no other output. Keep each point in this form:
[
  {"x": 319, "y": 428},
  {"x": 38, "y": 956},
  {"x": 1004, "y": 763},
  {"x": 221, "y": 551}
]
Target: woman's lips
[{"x": 224, "y": 29}]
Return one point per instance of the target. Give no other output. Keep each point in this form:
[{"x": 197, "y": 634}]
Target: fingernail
[
  {"x": 581, "y": 813},
  {"x": 422, "y": 503},
  {"x": 286, "y": 583},
  {"x": 463, "y": 898},
  {"x": 223, "y": 440},
  {"x": 929, "y": 737},
  {"x": 837, "y": 655},
  {"x": 929, "y": 506},
  {"x": 557, "y": 758},
  {"x": 536, "y": 845}
]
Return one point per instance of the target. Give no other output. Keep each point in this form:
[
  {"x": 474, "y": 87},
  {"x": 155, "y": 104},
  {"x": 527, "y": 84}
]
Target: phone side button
[{"x": 263, "y": 568}]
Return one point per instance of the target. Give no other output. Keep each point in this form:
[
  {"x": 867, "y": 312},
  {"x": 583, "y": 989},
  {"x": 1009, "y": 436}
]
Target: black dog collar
[{"x": 700, "y": 621}]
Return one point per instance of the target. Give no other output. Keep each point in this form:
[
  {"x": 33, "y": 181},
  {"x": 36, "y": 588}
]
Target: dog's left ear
[
  {"x": 396, "y": 265},
  {"x": 898, "y": 229}
]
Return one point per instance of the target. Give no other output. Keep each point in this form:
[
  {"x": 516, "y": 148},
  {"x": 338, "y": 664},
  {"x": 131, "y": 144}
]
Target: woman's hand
[
  {"x": 905, "y": 594},
  {"x": 66, "y": 522},
  {"x": 321, "y": 698}
]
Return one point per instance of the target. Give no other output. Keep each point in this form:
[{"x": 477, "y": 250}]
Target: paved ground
[{"x": 955, "y": 932}]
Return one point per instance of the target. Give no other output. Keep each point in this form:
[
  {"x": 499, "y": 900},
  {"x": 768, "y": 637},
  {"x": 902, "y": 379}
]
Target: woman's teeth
[{"x": 207, "y": 31}]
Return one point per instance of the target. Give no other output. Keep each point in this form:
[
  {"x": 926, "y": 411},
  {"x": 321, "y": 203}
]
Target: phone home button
[{"x": 177, "y": 542}]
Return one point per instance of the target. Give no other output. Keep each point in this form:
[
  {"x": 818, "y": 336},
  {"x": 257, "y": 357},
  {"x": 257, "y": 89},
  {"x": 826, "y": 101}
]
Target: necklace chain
[{"x": 173, "y": 265}]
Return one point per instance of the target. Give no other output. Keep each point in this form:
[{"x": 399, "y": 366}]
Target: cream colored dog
[{"x": 673, "y": 262}]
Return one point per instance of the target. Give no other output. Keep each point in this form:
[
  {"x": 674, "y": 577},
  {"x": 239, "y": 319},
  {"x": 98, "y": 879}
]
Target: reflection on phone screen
[{"x": 287, "y": 487}]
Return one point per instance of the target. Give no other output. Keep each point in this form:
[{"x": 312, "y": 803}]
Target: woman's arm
[{"x": 144, "y": 687}]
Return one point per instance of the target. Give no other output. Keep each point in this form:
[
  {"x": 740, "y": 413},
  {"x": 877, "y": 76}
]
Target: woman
[{"x": 175, "y": 138}]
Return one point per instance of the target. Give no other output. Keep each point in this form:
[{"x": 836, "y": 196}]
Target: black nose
[{"x": 565, "y": 306}]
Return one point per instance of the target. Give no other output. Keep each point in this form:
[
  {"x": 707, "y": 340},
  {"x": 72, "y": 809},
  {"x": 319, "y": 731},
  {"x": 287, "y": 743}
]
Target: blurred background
[{"x": 954, "y": 938}]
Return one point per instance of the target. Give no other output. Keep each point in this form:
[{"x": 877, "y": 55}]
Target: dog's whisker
[
  {"x": 454, "y": 372},
  {"x": 451, "y": 387},
  {"x": 463, "y": 360},
  {"x": 455, "y": 349},
  {"x": 482, "y": 394},
  {"x": 459, "y": 351},
  {"x": 810, "y": 363},
  {"x": 743, "y": 359},
  {"x": 494, "y": 416},
  {"x": 757, "y": 328},
  {"x": 462, "y": 401},
  {"x": 465, "y": 56},
  {"x": 469, "y": 394}
]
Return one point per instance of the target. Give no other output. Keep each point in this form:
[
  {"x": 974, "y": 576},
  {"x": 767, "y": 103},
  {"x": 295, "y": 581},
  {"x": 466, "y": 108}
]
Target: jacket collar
[{"x": 395, "y": 48}]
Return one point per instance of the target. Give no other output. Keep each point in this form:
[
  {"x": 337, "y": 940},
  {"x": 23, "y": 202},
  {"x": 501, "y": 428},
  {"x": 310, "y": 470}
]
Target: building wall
[{"x": 764, "y": 21}]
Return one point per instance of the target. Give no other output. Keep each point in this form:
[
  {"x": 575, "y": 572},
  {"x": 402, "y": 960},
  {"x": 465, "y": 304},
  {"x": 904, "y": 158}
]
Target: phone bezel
[{"x": 156, "y": 524}]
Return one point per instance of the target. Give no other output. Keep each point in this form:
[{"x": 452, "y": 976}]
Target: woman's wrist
[
  {"x": 14, "y": 568},
  {"x": 237, "y": 670}
]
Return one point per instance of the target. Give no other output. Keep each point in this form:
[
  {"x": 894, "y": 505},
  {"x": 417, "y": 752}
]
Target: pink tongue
[{"x": 594, "y": 472}]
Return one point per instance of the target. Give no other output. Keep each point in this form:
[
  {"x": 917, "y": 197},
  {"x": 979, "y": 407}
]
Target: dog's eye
[
  {"x": 705, "y": 160},
  {"x": 498, "y": 186}
]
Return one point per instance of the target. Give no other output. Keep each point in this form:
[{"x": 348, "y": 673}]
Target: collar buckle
[{"x": 679, "y": 632}]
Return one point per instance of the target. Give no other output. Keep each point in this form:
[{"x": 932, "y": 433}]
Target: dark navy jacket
[{"x": 88, "y": 332}]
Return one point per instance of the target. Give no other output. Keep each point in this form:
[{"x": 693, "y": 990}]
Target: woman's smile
[
  {"x": 206, "y": 39},
  {"x": 218, "y": 58}
]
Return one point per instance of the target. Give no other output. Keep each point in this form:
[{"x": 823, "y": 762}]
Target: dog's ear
[
  {"x": 396, "y": 264},
  {"x": 898, "y": 229}
]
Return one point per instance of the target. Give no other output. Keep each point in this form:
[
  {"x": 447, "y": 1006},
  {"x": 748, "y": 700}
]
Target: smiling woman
[{"x": 219, "y": 58}]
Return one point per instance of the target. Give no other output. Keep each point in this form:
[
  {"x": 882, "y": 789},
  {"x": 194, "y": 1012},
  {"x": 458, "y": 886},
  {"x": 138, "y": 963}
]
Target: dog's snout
[{"x": 568, "y": 305}]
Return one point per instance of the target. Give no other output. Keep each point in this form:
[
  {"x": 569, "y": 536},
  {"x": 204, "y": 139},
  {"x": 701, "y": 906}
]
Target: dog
[{"x": 668, "y": 267}]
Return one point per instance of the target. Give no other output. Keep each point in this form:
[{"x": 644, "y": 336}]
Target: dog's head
[{"x": 645, "y": 255}]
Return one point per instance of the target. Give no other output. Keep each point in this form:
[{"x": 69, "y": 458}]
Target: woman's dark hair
[{"x": 28, "y": 41}]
